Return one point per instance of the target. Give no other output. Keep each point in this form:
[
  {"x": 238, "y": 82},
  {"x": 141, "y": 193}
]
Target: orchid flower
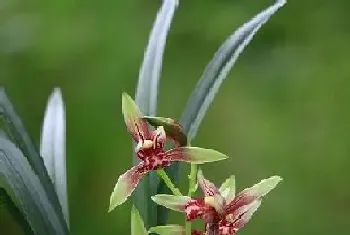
[
  {"x": 150, "y": 149},
  {"x": 223, "y": 212}
]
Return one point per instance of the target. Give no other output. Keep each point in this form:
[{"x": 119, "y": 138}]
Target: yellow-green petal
[
  {"x": 194, "y": 155},
  {"x": 176, "y": 203},
  {"x": 228, "y": 188},
  {"x": 168, "y": 230}
]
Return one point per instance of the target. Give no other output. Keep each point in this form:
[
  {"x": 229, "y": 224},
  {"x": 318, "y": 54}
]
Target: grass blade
[
  {"x": 53, "y": 147},
  {"x": 146, "y": 99},
  {"x": 19, "y": 135},
  {"x": 20, "y": 181},
  {"x": 218, "y": 68},
  {"x": 6, "y": 202}
]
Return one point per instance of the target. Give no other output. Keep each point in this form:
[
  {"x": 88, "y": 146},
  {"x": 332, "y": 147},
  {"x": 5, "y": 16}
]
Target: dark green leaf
[
  {"x": 218, "y": 68},
  {"x": 19, "y": 135},
  {"x": 26, "y": 190}
]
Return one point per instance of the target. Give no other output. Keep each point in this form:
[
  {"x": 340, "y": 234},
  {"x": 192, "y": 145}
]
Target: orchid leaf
[
  {"x": 7, "y": 203},
  {"x": 17, "y": 133},
  {"x": 176, "y": 203},
  {"x": 172, "y": 128},
  {"x": 53, "y": 147},
  {"x": 146, "y": 98},
  {"x": 137, "y": 225},
  {"x": 27, "y": 192},
  {"x": 168, "y": 230},
  {"x": 218, "y": 69}
]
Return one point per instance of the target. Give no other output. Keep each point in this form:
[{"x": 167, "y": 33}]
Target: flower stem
[
  {"x": 162, "y": 174},
  {"x": 191, "y": 190}
]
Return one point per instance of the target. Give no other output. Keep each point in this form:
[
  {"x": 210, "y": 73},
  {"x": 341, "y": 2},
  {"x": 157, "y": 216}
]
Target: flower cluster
[
  {"x": 222, "y": 210},
  {"x": 150, "y": 149}
]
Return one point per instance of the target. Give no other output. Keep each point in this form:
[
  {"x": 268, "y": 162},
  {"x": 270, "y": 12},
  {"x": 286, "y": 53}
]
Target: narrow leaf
[
  {"x": 152, "y": 62},
  {"x": 7, "y": 203},
  {"x": 146, "y": 99},
  {"x": 168, "y": 230},
  {"x": 21, "y": 181},
  {"x": 137, "y": 225},
  {"x": 53, "y": 147},
  {"x": 176, "y": 203},
  {"x": 218, "y": 68},
  {"x": 20, "y": 136}
]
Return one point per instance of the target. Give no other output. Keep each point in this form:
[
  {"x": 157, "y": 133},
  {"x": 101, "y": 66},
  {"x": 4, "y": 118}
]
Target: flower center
[{"x": 214, "y": 201}]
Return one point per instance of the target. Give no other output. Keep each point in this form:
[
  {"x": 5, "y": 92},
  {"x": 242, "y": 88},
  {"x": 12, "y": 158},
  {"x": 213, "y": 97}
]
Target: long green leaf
[
  {"x": 7, "y": 203},
  {"x": 146, "y": 99},
  {"x": 22, "y": 139},
  {"x": 53, "y": 147},
  {"x": 218, "y": 68},
  {"x": 19, "y": 180}
]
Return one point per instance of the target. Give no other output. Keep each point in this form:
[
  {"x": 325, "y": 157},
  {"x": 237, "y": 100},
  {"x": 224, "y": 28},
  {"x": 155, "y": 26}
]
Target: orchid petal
[
  {"x": 244, "y": 214},
  {"x": 199, "y": 209},
  {"x": 249, "y": 195},
  {"x": 172, "y": 128},
  {"x": 53, "y": 147},
  {"x": 126, "y": 185},
  {"x": 136, "y": 126},
  {"x": 172, "y": 229},
  {"x": 194, "y": 155},
  {"x": 207, "y": 187},
  {"x": 228, "y": 188},
  {"x": 176, "y": 203},
  {"x": 137, "y": 224}
]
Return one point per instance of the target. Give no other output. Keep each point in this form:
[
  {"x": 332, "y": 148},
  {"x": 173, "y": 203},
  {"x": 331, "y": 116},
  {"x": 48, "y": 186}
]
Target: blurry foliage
[{"x": 284, "y": 109}]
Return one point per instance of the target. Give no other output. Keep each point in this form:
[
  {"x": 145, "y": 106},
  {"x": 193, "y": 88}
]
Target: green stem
[
  {"x": 191, "y": 190},
  {"x": 162, "y": 174}
]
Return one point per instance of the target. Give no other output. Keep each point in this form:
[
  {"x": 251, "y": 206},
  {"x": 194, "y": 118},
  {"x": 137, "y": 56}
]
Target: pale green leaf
[{"x": 137, "y": 225}]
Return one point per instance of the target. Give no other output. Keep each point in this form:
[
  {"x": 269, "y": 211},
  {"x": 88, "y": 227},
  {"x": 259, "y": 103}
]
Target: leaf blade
[
  {"x": 22, "y": 182},
  {"x": 23, "y": 140},
  {"x": 218, "y": 68},
  {"x": 137, "y": 224},
  {"x": 53, "y": 147}
]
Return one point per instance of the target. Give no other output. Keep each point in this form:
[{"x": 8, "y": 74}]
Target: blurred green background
[{"x": 284, "y": 108}]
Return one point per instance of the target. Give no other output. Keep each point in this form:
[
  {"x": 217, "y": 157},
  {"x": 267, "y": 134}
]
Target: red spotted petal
[
  {"x": 133, "y": 118},
  {"x": 126, "y": 184},
  {"x": 244, "y": 214},
  {"x": 197, "y": 209},
  {"x": 207, "y": 187}
]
